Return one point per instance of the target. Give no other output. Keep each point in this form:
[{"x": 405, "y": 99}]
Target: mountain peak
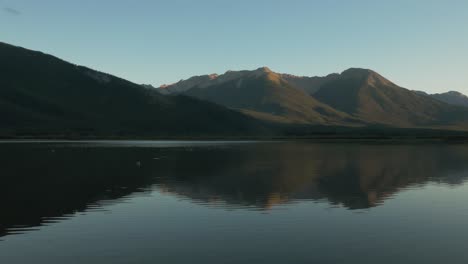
[
  {"x": 452, "y": 97},
  {"x": 455, "y": 93},
  {"x": 213, "y": 76},
  {"x": 264, "y": 69},
  {"x": 358, "y": 71},
  {"x": 370, "y": 77}
]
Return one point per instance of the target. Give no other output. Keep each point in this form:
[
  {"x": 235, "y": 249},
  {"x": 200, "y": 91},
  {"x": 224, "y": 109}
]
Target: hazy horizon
[{"x": 419, "y": 45}]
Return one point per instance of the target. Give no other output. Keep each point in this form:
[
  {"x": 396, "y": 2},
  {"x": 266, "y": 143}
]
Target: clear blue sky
[{"x": 419, "y": 44}]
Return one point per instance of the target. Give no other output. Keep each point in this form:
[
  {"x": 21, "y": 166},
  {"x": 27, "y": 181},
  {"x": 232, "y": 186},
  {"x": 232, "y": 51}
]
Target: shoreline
[{"x": 318, "y": 139}]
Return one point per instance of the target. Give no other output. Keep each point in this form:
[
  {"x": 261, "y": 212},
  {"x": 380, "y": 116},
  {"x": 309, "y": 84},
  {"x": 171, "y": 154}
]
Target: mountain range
[
  {"x": 44, "y": 96},
  {"x": 450, "y": 97},
  {"x": 355, "y": 97}
]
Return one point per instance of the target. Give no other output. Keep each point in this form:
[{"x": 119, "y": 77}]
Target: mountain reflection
[
  {"x": 355, "y": 176},
  {"x": 42, "y": 183}
]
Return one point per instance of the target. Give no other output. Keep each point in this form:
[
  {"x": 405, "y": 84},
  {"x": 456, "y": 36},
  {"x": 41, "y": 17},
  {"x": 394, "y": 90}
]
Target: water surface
[{"x": 232, "y": 202}]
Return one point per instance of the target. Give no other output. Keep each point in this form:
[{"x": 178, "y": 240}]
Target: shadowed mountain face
[
  {"x": 41, "y": 94},
  {"x": 63, "y": 179},
  {"x": 369, "y": 96},
  {"x": 354, "y": 97},
  {"x": 452, "y": 97}
]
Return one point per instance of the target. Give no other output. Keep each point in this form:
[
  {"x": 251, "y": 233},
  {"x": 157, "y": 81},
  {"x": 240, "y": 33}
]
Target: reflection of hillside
[
  {"x": 356, "y": 176},
  {"x": 41, "y": 183}
]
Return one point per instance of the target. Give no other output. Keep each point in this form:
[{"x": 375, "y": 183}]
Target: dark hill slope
[
  {"x": 41, "y": 94},
  {"x": 452, "y": 97},
  {"x": 367, "y": 95}
]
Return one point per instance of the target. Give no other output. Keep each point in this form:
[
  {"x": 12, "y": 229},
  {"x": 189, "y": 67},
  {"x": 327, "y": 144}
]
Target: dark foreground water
[{"x": 222, "y": 202}]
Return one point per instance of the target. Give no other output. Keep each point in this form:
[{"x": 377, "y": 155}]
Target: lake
[{"x": 232, "y": 202}]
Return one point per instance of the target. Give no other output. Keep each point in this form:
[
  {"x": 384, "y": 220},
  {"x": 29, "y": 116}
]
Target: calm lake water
[{"x": 232, "y": 202}]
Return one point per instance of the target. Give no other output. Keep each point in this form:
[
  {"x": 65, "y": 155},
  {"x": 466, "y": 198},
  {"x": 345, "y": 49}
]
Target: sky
[{"x": 418, "y": 44}]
